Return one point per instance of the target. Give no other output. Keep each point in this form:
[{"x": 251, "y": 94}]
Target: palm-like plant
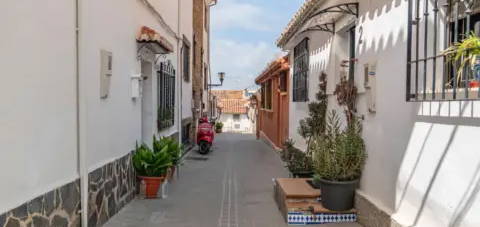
[
  {"x": 169, "y": 146},
  {"x": 465, "y": 52},
  {"x": 150, "y": 164}
]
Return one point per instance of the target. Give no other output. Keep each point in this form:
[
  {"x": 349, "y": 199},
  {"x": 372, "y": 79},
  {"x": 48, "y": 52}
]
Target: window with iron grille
[
  {"x": 300, "y": 72},
  {"x": 352, "y": 54},
  {"x": 236, "y": 117},
  {"x": 434, "y": 27},
  {"x": 186, "y": 62},
  {"x": 166, "y": 96}
]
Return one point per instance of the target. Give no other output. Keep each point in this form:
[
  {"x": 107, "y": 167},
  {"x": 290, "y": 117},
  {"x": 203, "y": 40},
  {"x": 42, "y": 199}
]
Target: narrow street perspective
[
  {"x": 231, "y": 187},
  {"x": 239, "y": 113}
]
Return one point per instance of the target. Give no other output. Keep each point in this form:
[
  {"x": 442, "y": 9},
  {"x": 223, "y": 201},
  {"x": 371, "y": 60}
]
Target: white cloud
[
  {"x": 232, "y": 14},
  {"x": 242, "y": 61}
]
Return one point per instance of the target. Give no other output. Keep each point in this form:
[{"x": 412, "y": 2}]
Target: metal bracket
[
  {"x": 345, "y": 8},
  {"x": 327, "y": 27}
]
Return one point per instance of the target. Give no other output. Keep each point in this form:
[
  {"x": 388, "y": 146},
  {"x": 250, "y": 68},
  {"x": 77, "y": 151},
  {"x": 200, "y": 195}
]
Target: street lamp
[{"x": 221, "y": 76}]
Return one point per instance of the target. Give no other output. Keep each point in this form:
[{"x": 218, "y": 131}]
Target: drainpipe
[
  {"x": 80, "y": 120},
  {"x": 180, "y": 79},
  {"x": 209, "y": 88}
]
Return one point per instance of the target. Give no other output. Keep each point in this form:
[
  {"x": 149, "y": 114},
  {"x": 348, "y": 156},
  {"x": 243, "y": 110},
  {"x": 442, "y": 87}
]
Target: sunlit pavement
[{"x": 233, "y": 188}]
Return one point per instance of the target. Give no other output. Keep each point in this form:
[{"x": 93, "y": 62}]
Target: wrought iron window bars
[
  {"x": 166, "y": 95},
  {"x": 431, "y": 76}
]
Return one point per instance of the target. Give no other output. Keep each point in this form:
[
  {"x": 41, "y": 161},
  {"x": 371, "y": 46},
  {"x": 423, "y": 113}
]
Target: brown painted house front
[{"x": 274, "y": 100}]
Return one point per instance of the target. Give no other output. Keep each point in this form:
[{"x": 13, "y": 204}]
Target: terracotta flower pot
[
  {"x": 475, "y": 84},
  {"x": 152, "y": 184}
]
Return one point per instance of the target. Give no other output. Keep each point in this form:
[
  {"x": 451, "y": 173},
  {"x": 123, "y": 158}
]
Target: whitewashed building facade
[
  {"x": 83, "y": 81},
  {"x": 423, "y": 164}
]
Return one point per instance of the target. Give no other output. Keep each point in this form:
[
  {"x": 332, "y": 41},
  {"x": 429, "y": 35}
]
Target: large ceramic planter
[
  {"x": 218, "y": 130},
  {"x": 152, "y": 184},
  {"x": 338, "y": 195}
]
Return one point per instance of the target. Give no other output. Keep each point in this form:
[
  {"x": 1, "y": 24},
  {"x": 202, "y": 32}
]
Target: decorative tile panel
[{"x": 298, "y": 218}]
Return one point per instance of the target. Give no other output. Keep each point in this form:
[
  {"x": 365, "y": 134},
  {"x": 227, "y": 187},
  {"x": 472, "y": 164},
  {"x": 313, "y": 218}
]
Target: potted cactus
[{"x": 151, "y": 168}]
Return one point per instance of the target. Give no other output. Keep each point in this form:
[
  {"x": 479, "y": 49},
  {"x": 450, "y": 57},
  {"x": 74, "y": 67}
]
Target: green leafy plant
[
  {"x": 218, "y": 125},
  {"x": 169, "y": 146},
  {"x": 465, "y": 53},
  {"x": 164, "y": 118},
  {"x": 299, "y": 161},
  {"x": 150, "y": 164},
  {"x": 288, "y": 145},
  {"x": 339, "y": 155},
  {"x": 314, "y": 124}
]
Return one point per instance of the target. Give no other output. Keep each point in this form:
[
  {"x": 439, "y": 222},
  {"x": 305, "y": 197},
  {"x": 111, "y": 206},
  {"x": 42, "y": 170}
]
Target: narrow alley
[{"x": 232, "y": 188}]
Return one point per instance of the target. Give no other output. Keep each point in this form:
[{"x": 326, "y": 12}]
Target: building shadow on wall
[{"x": 454, "y": 116}]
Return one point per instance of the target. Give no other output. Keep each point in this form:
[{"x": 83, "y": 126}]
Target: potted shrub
[
  {"x": 299, "y": 163},
  {"x": 151, "y": 168},
  {"x": 339, "y": 157},
  {"x": 171, "y": 147},
  {"x": 218, "y": 127}
]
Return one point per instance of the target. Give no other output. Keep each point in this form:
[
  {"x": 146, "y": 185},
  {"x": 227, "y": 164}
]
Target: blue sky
[{"x": 243, "y": 37}]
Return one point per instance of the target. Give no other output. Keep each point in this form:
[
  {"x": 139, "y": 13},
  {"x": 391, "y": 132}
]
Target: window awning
[
  {"x": 325, "y": 18},
  {"x": 158, "y": 43},
  {"x": 311, "y": 17}
]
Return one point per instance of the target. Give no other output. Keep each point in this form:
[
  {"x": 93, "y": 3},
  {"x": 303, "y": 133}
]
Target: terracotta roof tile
[
  {"x": 228, "y": 94},
  {"x": 233, "y": 106},
  {"x": 149, "y": 35}
]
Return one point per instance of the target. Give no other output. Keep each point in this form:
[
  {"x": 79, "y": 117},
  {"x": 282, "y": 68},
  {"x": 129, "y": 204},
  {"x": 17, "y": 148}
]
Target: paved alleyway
[{"x": 233, "y": 188}]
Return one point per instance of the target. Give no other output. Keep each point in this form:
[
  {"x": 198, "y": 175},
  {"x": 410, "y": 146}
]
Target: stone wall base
[
  {"x": 59, "y": 207},
  {"x": 110, "y": 188},
  {"x": 369, "y": 215}
]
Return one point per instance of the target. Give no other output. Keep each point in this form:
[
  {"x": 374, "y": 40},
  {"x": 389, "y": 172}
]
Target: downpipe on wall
[{"x": 80, "y": 120}]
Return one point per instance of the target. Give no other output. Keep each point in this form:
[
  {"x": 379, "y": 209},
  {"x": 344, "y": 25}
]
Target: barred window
[
  {"x": 166, "y": 96},
  {"x": 186, "y": 62},
  {"x": 300, "y": 72},
  {"x": 434, "y": 28}
]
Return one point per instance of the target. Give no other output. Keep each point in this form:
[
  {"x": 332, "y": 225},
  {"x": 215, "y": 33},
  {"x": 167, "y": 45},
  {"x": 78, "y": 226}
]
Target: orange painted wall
[{"x": 274, "y": 123}]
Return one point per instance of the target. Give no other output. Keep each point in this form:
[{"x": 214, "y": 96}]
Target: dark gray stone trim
[
  {"x": 110, "y": 188},
  {"x": 369, "y": 215},
  {"x": 59, "y": 207}
]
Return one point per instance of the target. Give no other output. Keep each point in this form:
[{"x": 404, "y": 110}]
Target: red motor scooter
[{"x": 205, "y": 136}]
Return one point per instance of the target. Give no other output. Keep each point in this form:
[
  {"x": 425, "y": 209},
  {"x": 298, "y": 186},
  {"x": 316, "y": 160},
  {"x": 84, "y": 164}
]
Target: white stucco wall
[
  {"x": 186, "y": 28},
  {"x": 229, "y": 123},
  {"x": 37, "y": 99},
  {"x": 38, "y": 113},
  {"x": 423, "y": 167}
]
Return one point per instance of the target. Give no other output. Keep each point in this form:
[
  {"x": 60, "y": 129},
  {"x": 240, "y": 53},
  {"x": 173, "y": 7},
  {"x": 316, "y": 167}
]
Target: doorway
[{"x": 148, "y": 119}]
